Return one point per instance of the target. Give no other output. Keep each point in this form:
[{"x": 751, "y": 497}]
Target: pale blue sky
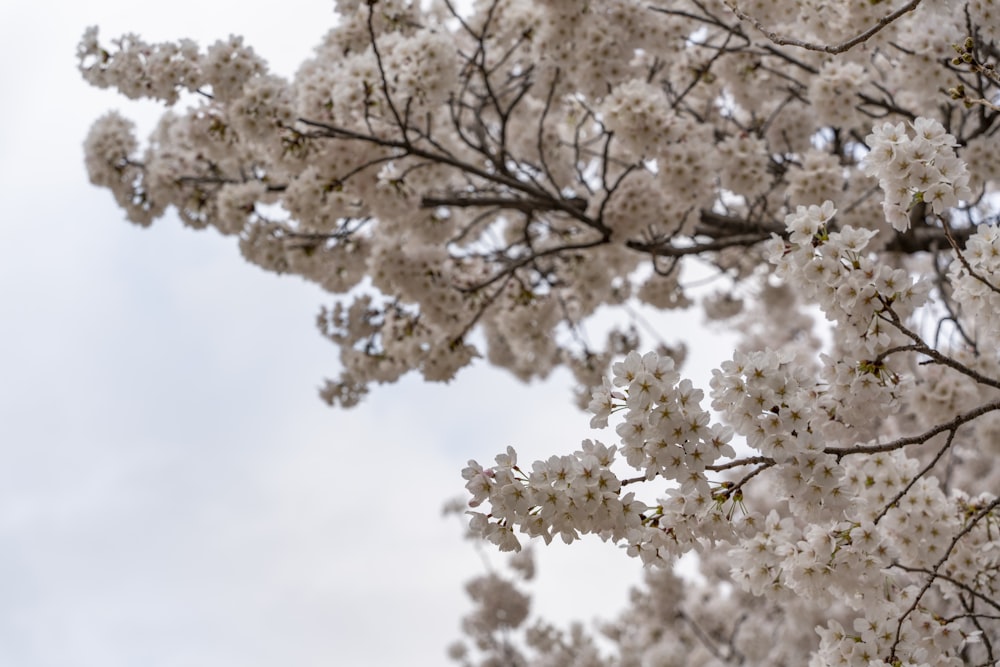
[{"x": 172, "y": 491}]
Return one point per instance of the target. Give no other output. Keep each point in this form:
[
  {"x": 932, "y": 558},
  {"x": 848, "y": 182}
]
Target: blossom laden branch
[
  {"x": 481, "y": 182},
  {"x": 833, "y": 49}
]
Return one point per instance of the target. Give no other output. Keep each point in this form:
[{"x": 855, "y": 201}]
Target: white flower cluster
[
  {"x": 499, "y": 605},
  {"x": 880, "y": 639},
  {"x": 110, "y": 146},
  {"x": 742, "y": 164},
  {"x": 835, "y": 538},
  {"x": 639, "y": 204},
  {"x": 848, "y": 528},
  {"x": 865, "y": 297},
  {"x": 139, "y": 69},
  {"x": 639, "y": 114},
  {"x": 975, "y": 280},
  {"x": 665, "y": 433},
  {"x": 768, "y": 400},
  {"x": 833, "y": 93},
  {"x": 236, "y": 203},
  {"x": 564, "y": 496},
  {"x": 263, "y": 109},
  {"x": 422, "y": 66},
  {"x": 821, "y": 177},
  {"x": 480, "y": 182},
  {"x": 918, "y": 169},
  {"x": 833, "y": 269}
]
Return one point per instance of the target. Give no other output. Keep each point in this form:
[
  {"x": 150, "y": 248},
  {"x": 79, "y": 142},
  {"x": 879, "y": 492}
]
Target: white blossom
[{"x": 493, "y": 181}]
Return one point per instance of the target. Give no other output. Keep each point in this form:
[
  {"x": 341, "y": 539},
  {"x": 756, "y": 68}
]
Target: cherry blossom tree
[{"x": 479, "y": 181}]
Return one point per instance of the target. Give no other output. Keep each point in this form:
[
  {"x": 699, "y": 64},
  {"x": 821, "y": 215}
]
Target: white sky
[{"x": 172, "y": 491}]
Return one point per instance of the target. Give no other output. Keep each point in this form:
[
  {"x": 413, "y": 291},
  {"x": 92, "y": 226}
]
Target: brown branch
[
  {"x": 734, "y": 489},
  {"x": 923, "y": 348},
  {"x": 523, "y": 204},
  {"x": 736, "y": 463},
  {"x": 899, "y": 443},
  {"x": 524, "y": 261},
  {"x": 825, "y": 48},
  {"x": 957, "y": 584},
  {"x": 665, "y": 249},
  {"x": 381, "y": 70},
  {"x": 408, "y": 147}
]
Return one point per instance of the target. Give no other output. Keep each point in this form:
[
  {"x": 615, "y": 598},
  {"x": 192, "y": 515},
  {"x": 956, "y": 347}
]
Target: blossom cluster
[
  {"x": 588, "y": 136},
  {"x": 914, "y": 170},
  {"x": 565, "y": 496},
  {"x": 850, "y": 286},
  {"x": 665, "y": 433},
  {"x": 853, "y": 534},
  {"x": 481, "y": 182},
  {"x": 973, "y": 275},
  {"x": 142, "y": 70}
]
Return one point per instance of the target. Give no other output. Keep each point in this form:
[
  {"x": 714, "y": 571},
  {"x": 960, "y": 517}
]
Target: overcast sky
[{"x": 172, "y": 491}]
